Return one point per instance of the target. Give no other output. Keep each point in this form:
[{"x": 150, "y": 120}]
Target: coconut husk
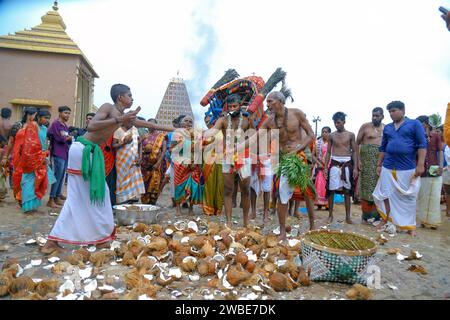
[
  {"x": 283, "y": 250},
  {"x": 235, "y": 276},
  {"x": 166, "y": 281},
  {"x": 214, "y": 283},
  {"x": 280, "y": 282},
  {"x": 227, "y": 240},
  {"x": 393, "y": 250},
  {"x": 239, "y": 235},
  {"x": 143, "y": 264},
  {"x": 12, "y": 270},
  {"x": 6, "y": 278},
  {"x": 155, "y": 230},
  {"x": 417, "y": 268},
  {"x": 271, "y": 241},
  {"x": 157, "y": 244},
  {"x": 359, "y": 292},
  {"x": 253, "y": 280},
  {"x": 213, "y": 228},
  {"x": 221, "y": 247},
  {"x": 21, "y": 286},
  {"x": 60, "y": 267},
  {"x": 250, "y": 266},
  {"x": 198, "y": 242},
  {"x": 257, "y": 249},
  {"x": 141, "y": 227},
  {"x": 122, "y": 250},
  {"x": 304, "y": 278},
  {"x": 256, "y": 237},
  {"x": 188, "y": 264},
  {"x": 111, "y": 296},
  {"x": 9, "y": 263},
  {"x": 128, "y": 259},
  {"x": 203, "y": 267},
  {"x": 132, "y": 295},
  {"x": 135, "y": 247},
  {"x": 132, "y": 279},
  {"x": 269, "y": 267},
  {"x": 208, "y": 249},
  {"x": 84, "y": 253},
  {"x": 241, "y": 258},
  {"x": 75, "y": 259},
  {"x": 45, "y": 287},
  {"x": 34, "y": 296},
  {"x": 98, "y": 259}
]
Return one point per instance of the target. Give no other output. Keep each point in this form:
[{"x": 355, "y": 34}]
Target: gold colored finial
[{"x": 55, "y": 6}]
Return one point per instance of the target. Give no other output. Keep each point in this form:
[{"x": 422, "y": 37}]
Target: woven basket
[{"x": 337, "y": 256}]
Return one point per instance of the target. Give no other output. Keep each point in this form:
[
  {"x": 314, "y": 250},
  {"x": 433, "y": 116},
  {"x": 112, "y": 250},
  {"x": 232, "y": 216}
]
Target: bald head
[{"x": 278, "y": 96}]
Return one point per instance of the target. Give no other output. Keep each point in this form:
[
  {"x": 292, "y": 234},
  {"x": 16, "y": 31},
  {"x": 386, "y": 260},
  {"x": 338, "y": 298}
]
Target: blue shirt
[{"x": 400, "y": 146}]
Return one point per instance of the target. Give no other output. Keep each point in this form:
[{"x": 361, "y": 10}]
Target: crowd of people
[{"x": 396, "y": 171}]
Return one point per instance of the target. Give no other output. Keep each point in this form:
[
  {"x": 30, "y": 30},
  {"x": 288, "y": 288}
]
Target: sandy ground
[{"x": 16, "y": 228}]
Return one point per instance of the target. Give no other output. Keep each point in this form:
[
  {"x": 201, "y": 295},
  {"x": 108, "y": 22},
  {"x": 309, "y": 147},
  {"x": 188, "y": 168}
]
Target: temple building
[
  {"x": 43, "y": 67},
  {"x": 174, "y": 103}
]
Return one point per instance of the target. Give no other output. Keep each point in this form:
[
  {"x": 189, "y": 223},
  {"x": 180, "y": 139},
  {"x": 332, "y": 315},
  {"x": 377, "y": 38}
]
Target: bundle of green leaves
[{"x": 296, "y": 171}]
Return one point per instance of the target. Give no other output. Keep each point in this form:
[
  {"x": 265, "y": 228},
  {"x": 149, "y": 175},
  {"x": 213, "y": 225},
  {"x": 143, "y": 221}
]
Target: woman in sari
[
  {"x": 213, "y": 180},
  {"x": 321, "y": 183},
  {"x": 153, "y": 165},
  {"x": 33, "y": 176},
  {"x": 188, "y": 184}
]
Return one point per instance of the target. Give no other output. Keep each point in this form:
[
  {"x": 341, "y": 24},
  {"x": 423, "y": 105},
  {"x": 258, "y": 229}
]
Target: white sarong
[
  {"x": 263, "y": 183},
  {"x": 80, "y": 222},
  {"x": 401, "y": 190},
  {"x": 336, "y": 183},
  {"x": 429, "y": 201}
]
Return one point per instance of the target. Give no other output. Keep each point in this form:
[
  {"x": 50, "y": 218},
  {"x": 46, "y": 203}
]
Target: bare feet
[
  {"x": 363, "y": 221},
  {"x": 381, "y": 225},
  {"x": 50, "y": 247},
  {"x": 229, "y": 224},
  {"x": 252, "y": 216},
  {"x": 330, "y": 220},
  {"x": 282, "y": 236},
  {"x": 62, "y": 197},
  {"x": 297, "y": 215},
  {"x": 412, "y": 233},
  {"x": 348, "y": 221},
  {"x": 52, "y": 204},
  {"x": 311, "y": 226}
]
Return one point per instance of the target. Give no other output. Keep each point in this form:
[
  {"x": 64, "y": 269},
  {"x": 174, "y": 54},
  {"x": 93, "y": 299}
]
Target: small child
[{"x": 3, "y": 188}]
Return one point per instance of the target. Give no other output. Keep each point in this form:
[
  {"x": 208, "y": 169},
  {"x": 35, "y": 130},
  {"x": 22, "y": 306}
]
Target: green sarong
[{"x": 368, "y": 176}]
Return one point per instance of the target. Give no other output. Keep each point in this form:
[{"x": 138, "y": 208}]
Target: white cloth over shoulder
[
  {"x": 401, "y": 188},
  {"x": 80, "y": 222}
]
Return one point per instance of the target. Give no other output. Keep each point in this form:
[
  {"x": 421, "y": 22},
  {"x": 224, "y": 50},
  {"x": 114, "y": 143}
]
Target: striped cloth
[{"x": 129, "y": 183}]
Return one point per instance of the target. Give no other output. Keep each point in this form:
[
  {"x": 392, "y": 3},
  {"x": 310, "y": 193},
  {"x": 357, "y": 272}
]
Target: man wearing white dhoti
[
  {"x": 87, "y": 216},
  {"x": 396, "y": 192}
]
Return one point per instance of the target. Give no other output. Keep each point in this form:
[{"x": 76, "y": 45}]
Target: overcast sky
[{"x": 347, "y": 55}]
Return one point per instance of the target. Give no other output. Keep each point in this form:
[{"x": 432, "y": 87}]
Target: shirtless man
[
  {"x": 368, "y": 143},
  {"x": 87, "y": 217},
  {"x": 5, "y": 122},
  {"x": 234, "y": 120},
  {"x": 342, "y": 151},
  {"x": 290, "y": 123}
]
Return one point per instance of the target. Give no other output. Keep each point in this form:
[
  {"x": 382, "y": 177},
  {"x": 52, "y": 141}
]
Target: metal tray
[{"x": 128, "y": 214}]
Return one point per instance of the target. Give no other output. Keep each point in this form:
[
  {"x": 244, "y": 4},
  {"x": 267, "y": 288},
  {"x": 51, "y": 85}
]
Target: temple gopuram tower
[
  {"x": 43, "y": 67},
  {"x": 174, "y": 103}
]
